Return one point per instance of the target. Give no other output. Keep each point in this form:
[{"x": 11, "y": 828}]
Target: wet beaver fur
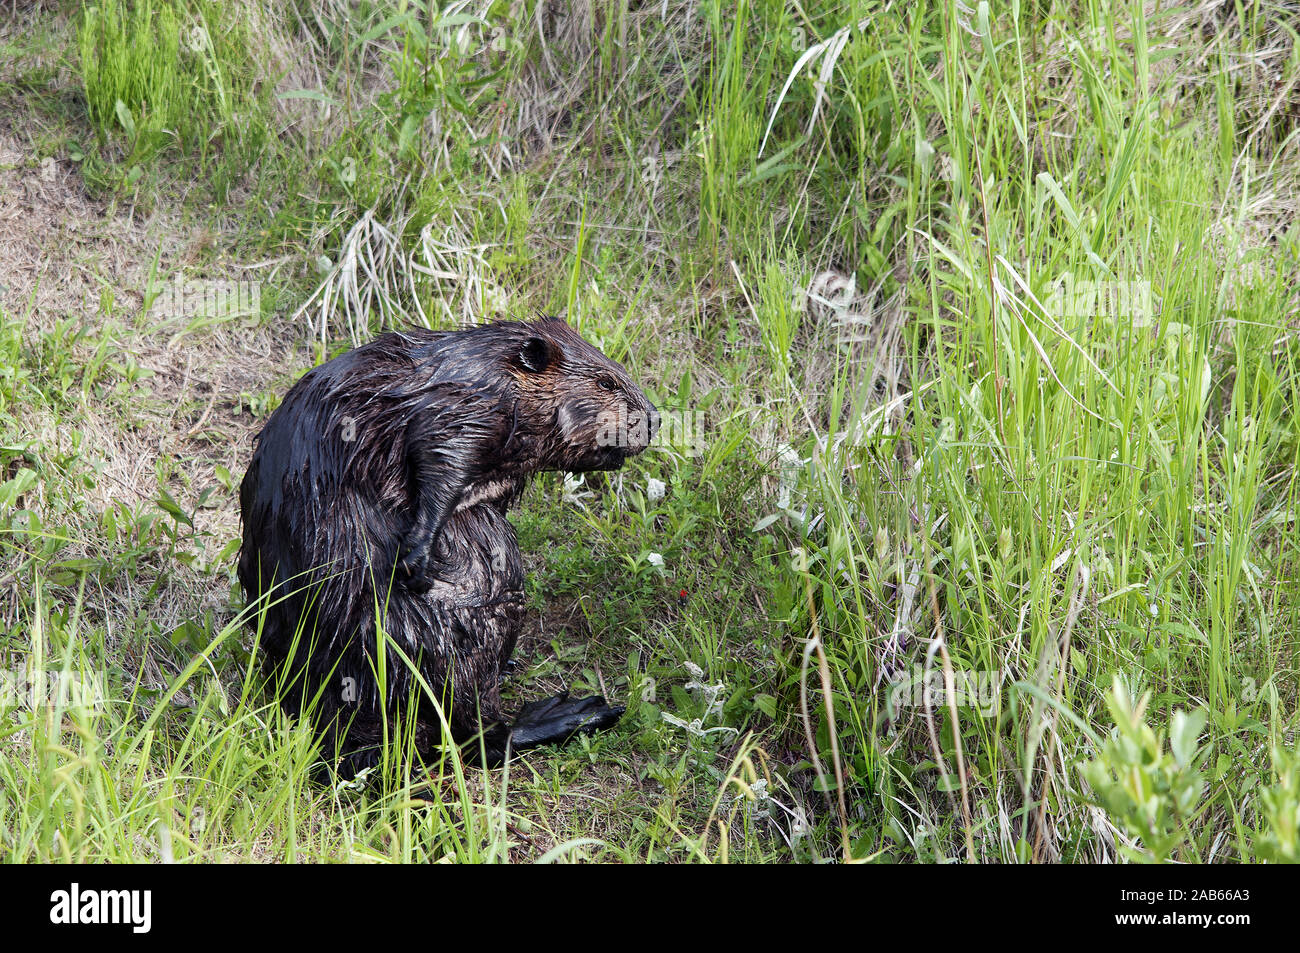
[{"x": 376, "y": 500}]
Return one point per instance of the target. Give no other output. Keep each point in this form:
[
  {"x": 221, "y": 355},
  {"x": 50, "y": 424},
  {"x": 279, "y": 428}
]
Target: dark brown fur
[{"x": 376, "y": 499}]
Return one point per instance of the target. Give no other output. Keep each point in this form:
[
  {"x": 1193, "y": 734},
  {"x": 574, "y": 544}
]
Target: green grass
[
  {"x": 990, "y": 317},
  {"x": 162, "y": 77}
]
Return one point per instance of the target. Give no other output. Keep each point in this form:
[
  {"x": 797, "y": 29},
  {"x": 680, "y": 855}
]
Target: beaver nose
[{"x": 654, "y": 421}]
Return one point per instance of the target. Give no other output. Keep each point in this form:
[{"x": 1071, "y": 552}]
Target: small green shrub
[{"x": 1147, "y": 790}]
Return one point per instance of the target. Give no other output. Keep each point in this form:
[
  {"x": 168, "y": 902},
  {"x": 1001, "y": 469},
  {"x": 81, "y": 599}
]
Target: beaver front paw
[{"x": 417, "y": 569}]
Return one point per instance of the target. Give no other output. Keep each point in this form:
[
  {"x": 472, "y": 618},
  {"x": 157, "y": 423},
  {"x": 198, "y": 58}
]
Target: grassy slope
[{"x": 918, "y": 463}]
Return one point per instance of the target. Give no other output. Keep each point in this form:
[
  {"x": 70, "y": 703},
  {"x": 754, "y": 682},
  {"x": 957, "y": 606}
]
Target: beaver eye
[{"x": 606, "y": 383}]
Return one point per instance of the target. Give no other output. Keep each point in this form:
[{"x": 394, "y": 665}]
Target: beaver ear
[{"x": 535, "y": 355}]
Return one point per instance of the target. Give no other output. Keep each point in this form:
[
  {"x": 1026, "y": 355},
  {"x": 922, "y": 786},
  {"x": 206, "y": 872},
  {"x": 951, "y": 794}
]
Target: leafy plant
[{"x": 1150, "y": 790}]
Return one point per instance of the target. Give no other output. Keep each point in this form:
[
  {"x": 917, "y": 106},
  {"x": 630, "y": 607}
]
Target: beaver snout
[{"x": 642, "y": 425}]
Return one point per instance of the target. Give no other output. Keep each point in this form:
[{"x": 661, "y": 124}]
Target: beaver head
[{"x": 590, "y": 413}]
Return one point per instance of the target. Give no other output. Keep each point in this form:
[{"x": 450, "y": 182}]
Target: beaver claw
[
  {"x": 416, "y": 570},
  {"x": 413, "y": 571}
]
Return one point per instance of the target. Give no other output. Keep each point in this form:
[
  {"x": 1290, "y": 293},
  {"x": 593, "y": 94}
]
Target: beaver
[{"x": 374, "y": 512}]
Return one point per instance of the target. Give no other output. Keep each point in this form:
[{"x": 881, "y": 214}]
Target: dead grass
[{"x": 65, "y": 254}]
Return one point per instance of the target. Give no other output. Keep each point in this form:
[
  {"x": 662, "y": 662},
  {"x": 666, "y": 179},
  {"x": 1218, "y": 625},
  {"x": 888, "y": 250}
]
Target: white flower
[
  {"x": 656, "y": 560},
  {"x": 573, "y": 489},
  {"x": 655, "y": 490}
]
